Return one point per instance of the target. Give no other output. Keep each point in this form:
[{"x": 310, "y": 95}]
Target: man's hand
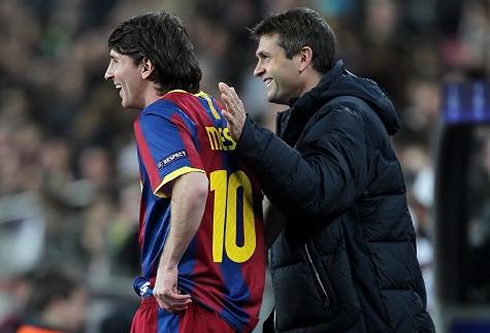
[
  {"x": 168, "y": 296},
  {"x": 189, "y": 195},
  {"x": 235, "y": 112}
]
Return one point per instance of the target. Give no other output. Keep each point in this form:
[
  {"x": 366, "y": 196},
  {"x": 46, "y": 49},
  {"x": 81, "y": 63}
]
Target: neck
[
  {"x": 311, "y": 80},
  {"x": 150, "y": 94}
]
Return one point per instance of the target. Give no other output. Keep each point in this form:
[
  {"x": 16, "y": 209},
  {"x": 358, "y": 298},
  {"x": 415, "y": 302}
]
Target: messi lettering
[{"x": 220, "y": 138}]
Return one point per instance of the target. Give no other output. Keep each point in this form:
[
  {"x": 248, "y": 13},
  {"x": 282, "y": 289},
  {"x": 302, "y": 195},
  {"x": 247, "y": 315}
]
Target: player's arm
[{"x": 188, "y": 199}]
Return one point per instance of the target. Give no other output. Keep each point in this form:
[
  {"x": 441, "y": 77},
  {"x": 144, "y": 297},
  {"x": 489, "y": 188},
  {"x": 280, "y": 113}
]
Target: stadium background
[{"x": 69, "y": 184}]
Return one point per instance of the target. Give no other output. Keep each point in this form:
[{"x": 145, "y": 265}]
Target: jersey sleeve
[{"x": 166, "y": 148}]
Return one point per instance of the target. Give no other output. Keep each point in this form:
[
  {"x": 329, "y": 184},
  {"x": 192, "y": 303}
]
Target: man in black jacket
[{"x": 345, "y": 258}]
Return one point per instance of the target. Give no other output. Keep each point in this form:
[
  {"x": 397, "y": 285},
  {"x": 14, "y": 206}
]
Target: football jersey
[{"x": 223, "y": 267}]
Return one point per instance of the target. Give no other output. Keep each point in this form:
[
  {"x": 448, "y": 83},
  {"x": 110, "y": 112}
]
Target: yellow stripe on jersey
[
  {"x": 210, "y": 104},
  {"x": 175, "y": 90},
  {"x": 159, "y": 192}
]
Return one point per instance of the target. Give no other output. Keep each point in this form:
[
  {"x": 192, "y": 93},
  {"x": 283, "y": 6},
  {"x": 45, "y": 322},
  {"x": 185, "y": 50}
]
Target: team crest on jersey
[{"x": 171, "y": 158}]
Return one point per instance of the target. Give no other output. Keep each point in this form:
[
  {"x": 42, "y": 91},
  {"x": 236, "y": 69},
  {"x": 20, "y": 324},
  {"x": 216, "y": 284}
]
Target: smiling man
[
  {"x": 200, "y": 226},
  {"x": 345, "y": 257}
]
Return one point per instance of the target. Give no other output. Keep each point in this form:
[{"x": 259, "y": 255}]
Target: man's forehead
[
  {"x": 114, "y": 54},
  {"x": 268, "y": 42}
]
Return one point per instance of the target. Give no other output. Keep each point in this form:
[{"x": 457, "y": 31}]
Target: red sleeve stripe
[
  {"x": 190, "y": 147},
  {"x": 146, "y": 156},
  {"x": 142, "y": 225}
]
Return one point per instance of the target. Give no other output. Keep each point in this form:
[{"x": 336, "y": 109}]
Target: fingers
[
  {"x": 173, "y": 302},
  {"x": 235, "y": 113},
  {"x": 229, "y": 91},
  {"x": 229, "y": 95},
  {"x": 223, "y": 87},
  {"x": 228, "y": 102},
  {"x": 235, "y": 97},
  {"x": 233, "y": 123},
  {"x": 229, "y": 117},
  {"x": 172, "y": 308},
  {"x": 174, "y": 297}
]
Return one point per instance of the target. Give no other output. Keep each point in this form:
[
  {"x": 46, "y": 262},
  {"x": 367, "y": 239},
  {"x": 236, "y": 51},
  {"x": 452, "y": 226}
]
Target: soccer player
[{"x": 201, "y": 231}]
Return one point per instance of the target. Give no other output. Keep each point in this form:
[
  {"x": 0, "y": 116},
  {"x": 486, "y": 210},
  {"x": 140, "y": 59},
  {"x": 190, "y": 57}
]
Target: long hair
[{"x": 162, "y": 39}]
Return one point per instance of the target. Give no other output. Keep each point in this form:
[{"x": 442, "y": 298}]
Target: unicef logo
[{"x": 160, "y": 165}]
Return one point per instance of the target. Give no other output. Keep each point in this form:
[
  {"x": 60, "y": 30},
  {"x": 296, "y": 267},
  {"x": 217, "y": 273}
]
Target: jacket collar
[
  {"x": 303, "y": 108},
  {"x": 309, "y": 100}
]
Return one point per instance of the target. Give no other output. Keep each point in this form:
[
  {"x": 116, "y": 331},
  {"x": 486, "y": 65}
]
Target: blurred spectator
[
  {"x": 20, "y": 287},
  {"x": 421, "y": 202},
  {"x": 65, "y": 140},
  {"x": 478, "y": 229},
  {"x": 56, "y": 304},
  {"x": 96, "y": 166}
]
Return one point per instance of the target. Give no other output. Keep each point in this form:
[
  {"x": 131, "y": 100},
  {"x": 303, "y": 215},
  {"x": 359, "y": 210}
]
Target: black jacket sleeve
[{"x": 323, "y": 175}]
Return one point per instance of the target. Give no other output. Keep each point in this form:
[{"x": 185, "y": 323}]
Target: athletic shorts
[{"x": 150, "y": 318}]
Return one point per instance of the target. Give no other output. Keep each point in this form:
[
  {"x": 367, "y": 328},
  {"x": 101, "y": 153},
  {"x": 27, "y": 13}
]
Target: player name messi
[{"x": 220, "y": 138}]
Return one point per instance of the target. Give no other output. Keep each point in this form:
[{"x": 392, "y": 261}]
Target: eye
[{"x": 264, "y": 57}]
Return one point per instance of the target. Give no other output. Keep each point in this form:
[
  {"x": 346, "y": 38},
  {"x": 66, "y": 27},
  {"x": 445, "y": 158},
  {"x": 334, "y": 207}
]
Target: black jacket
[{"x": 346, "y": 259}]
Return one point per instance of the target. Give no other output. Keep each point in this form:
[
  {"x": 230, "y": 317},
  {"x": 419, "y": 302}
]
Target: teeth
[{"x": 118, "y": 86}]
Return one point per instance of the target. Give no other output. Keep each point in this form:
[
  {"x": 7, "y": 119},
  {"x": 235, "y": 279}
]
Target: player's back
[{"x": 223, "y": 268}]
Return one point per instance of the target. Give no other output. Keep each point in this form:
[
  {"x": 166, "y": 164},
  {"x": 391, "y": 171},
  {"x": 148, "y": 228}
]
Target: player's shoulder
[
  {"x": 161, "y": 106},
  {"x": 208, "y": 98}
]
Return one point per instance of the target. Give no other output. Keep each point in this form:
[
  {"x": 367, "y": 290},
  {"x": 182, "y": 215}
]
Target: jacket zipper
[{"x": 326, "y": 303}]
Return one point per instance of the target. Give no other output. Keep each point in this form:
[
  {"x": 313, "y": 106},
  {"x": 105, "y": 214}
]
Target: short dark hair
[
  {"x": 301, "y": 27},
  {"x": 162, "y": 39}
]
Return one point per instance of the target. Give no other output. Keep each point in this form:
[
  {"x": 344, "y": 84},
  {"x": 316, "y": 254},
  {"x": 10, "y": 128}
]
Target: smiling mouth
[{"x": 268, "y": 82}]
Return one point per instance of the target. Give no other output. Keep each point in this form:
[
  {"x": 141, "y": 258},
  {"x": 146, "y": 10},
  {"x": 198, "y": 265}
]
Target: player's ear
[
  {"x": 305, "y": 58},
  {"x": 147, "y": 68}
]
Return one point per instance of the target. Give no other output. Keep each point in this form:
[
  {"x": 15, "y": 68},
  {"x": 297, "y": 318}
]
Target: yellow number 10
[{"x": 225, "y": 216}]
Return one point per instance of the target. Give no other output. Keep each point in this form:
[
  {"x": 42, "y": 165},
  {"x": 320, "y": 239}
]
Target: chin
[
  {"x": 271, "y": 98},
  {"x": 125, "y": 104},
  {"x": 276, "y": 100},
  {"x": 132, "y": 106}
]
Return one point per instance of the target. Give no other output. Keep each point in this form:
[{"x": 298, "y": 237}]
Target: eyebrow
[
  {"x": 262, "y": 53},
  {"x": 113, "y": 56}
]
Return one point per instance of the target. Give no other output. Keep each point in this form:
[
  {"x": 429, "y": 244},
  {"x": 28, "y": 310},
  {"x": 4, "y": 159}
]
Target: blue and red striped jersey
[{"x": 223, "y": 267}]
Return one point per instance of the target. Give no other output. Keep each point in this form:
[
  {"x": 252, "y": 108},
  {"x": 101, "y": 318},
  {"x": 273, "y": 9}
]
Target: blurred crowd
[{"x": 69, "y": 183}]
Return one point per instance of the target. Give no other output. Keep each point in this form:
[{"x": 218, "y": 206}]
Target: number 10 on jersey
[{"x": 226, "y": 204}]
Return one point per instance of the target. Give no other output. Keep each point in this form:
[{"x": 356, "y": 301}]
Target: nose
[
  {"x": 259, "y": 69},
  {"x": 108, "y": 73}
]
